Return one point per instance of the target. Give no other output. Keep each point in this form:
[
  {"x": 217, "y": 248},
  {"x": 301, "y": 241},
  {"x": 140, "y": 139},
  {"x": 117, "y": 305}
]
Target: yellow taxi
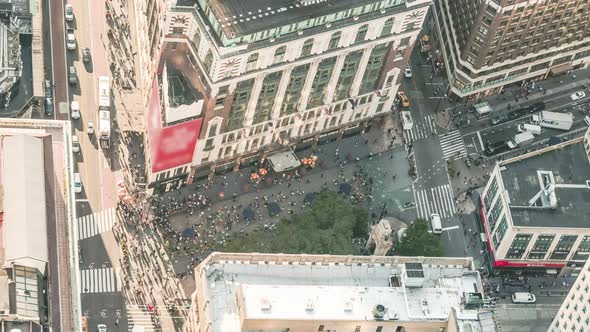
[{"x": 403, "y": 99}]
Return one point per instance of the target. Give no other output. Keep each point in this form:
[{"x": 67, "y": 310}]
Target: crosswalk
[
  {"x": 435, "y": 200},
  {"x": 138, "y": 315},
  {"x": 100, "y": 280},
  {"x": 421, "y": 129},
  {"x": 452, "y": 145},
  {"x": 96, "y": 223}
]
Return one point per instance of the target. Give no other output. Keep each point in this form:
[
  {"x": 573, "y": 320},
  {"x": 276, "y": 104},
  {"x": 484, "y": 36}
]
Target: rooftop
[
  {"x": 280, "y": 288},
  {"x": 551, "y": 189},
  {"x": 10, "y": 64},
  {"x": 239, "y": 17}
]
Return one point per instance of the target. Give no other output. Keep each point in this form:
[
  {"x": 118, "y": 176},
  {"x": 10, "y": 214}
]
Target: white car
[
  {"x": 408, "y": 71},
  {"x": 69, "y": 12},
  {"x": 75, "y": 144},
  {"x": 77, "y": 183},
  {"x": 75, "y": 107},
  {"x": 70, "y": 40},
  {"x": 90, "y": 128},
  {"x": 102, "y": 328},
  {"x": 578, "y": 95}
]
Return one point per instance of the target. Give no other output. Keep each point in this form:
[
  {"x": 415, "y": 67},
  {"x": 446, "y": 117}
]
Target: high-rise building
[
  {"x": 574, "y": 313},
  {"x": 302, "y": 293},
  {"x": 535, "y": 209},
  {"x": 487, "y": 45},
  {"x": 262, "y": 76}
]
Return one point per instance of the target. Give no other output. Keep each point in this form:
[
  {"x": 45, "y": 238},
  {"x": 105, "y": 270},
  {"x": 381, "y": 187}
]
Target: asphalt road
[{"x": 102, "y": 300}]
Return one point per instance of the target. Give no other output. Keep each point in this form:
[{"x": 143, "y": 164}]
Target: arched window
[
  {"x": 361, "y": 34},
  {"x": 197, "y": 40},
  {"x": 334, "y": 40},
  {"x": 208, "y": 61},
  {"x": 279, "y": 54},
  {"x": 307, "y": 46},
  {"x": 252, "y": 61},
  {"x": 386, "y": 30}
]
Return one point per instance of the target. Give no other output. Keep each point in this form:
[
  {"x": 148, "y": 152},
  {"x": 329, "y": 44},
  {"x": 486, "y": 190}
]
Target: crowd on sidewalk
[{"x": 121, "y": 56}]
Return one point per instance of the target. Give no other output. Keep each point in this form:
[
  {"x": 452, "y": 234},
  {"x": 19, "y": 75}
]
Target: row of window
[{"x": 542, "y": 244}]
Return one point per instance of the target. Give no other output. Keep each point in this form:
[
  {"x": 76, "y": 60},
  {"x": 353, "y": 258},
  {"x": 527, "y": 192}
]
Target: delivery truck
[
  {"x": 563, "y": 121},
  {"x": 104, "y": 111},
  {"x": 521, "y": 139}
]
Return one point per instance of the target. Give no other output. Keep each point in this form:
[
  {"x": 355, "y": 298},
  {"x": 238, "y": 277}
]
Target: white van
[
  {"x": 521, "y": 297},
  {"x": 531, "y": 128},
  {"x": 77, "y": 183},
  {"x": 435, "y": 223}
]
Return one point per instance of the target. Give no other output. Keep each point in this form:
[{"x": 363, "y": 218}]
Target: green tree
[
  {"x": 419, "y": 242},
  {"x": 326, "y": 227}
]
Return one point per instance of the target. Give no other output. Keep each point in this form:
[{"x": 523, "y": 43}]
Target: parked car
[
  {"x": 48, "y": 106},
  {"x": 435, "y": 223},
  {"x": 48, "y": 89},
  {"x": 517, "y": 113},
  {"x": 69, "y": 12},
  {"x": 499, "y": 118},
  {"x": 90, "y": 129},
  {"x": 521, "y": 297},
  {"x": 408, "y": 71},
  {"x": 72, "y": 77},
  {"x": 75, "y": 108},
  {"x": 86, "y": 54},
  {"x": 537, "y": 107},
  {"x": 77, "y": 183},
  {"x": 75, "y": 144},
  {"x": 70, "y": 39},
  {"x": 578, "y": 95},
  {"x": 102, "y": 328}
]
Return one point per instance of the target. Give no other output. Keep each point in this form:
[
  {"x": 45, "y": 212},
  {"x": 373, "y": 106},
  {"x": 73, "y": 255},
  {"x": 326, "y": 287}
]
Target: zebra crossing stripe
[
  {"x": 437, "y": 199},
  {"x": 96, "y": 223}
]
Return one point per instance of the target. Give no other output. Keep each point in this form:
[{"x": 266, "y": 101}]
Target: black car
[
  {"x": 499, "y": 118},
  {"x": 493, "y": 148},
  {"x": 536, "y": 107},
  {"x": 86, "y": 55},
  {"x": 517, "y": 113}
]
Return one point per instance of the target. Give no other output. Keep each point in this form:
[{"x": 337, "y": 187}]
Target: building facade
[
  {"x": 574, "y": 313},
  {"x": 286, "y": 76},
  {"x": 534, "y": 209},
  {"x": 302, "y": 293},
  {"x": 486, "y": 45}
]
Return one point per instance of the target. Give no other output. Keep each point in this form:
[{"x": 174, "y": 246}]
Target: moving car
[
  {"x": 70, "y": 39},
  {"x": 75, "y": 107},
  {"x": 86, "y": 54},
  {"x": 75, "y": 144},
  {"x": 495, "y": 148},
  {"x": 517, "y": 113},
  {"x": 69, "y": 12},
  {"x": 408, "y": 71},
  {"x": 90, "y": 129},
  {"x": 77, "y": 183},
  {"x": 48, "y": 89},
  {"x": 101, "y": 328},
  {"x": 587, "y": 120},
  {"x": 499, "y": 118},
  {"x": 72, "y": 78},
  {"x": 522, "y": 297},
  {"x": 435, "y": 223},
  {"x": 48, "y": 106},
  {"x": 535, "y": 129},
  {"x": 537, "y": 107},
  {"x": 578, "y": 95},
  {"x": 403, "y": 99}
]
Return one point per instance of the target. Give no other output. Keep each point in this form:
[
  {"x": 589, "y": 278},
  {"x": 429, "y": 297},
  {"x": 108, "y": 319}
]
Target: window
[
  {"x": 334, "y": 40},
  {"x": 541, "y": 246},
  {"x": 347, "y": 74},
  {"x": 279, "y": 54},
  {"x": 208, "y": 61},
  {"x": 307, "y": 46},
  {"x": 583, "y": 249},
  {"x": 500, "y": 232},
  {"x": 212, "y": 130},
  {"x": 379, "y": 329},
  {"x": 209, "y": 144},
  {"x": 321, "y": 328},
  {"x": 266, "y": 98},
  {"x": 519, "y": 245},
  {"x": 386, "y": 30},
  {"x": 361, "y": 33},
  {"x": 320, "y": 82},
  {"x": 252, "y": 61},
  {"x": 294, "y": 89},
  {"x": 490, "y": 194},
  {"x": 197, "y": 39},
  {"x": 357, "y": 328},
  {"x": 372, "y": 72},
  {"x": 563, "y": 247},
  {"x": 177, "y": 30}
]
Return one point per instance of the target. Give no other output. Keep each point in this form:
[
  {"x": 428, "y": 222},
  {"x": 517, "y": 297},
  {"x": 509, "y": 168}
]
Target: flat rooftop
[
  {"x": 563, "y": 171},
  {"x": 239, "y": 17},
  {"x": 300, "y": 290}
]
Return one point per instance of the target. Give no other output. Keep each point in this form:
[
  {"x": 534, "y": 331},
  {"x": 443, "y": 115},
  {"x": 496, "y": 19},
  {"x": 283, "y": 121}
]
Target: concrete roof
[
  {"x": 25, "y": 217},
  {"x": 568, "y": 170},
  {"x": 335, "y": 291}
]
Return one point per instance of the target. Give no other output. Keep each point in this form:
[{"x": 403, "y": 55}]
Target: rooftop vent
[
  {"x": 348, "y": 306},
  {"x": 265, "y": 304},
  {"x": 309, "y": 305},
  {"x": 379, "y": 311}
]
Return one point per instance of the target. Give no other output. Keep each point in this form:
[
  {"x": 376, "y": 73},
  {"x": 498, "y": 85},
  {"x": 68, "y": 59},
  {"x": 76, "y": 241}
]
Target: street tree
[{"x": 418, "y": 241}]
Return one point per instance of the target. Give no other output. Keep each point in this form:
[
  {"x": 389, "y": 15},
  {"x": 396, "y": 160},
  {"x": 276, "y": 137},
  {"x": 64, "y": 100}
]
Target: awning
[
  {"x": 562, "y": 68},
  {"x": 283, "y": 161}
]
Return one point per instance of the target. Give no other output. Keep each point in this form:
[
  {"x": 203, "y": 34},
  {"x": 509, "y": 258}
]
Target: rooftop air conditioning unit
[
  {"x": 309, "y": 305},
  {"x": 348, "y": 306},
  {"x": 265, "y": 304},
  {"x": 379, "y": 311}
]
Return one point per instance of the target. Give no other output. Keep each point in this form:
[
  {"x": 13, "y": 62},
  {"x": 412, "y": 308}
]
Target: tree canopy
[
  {"x": 419, "y": 242},
  {"x": 326, "y": 227}
]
